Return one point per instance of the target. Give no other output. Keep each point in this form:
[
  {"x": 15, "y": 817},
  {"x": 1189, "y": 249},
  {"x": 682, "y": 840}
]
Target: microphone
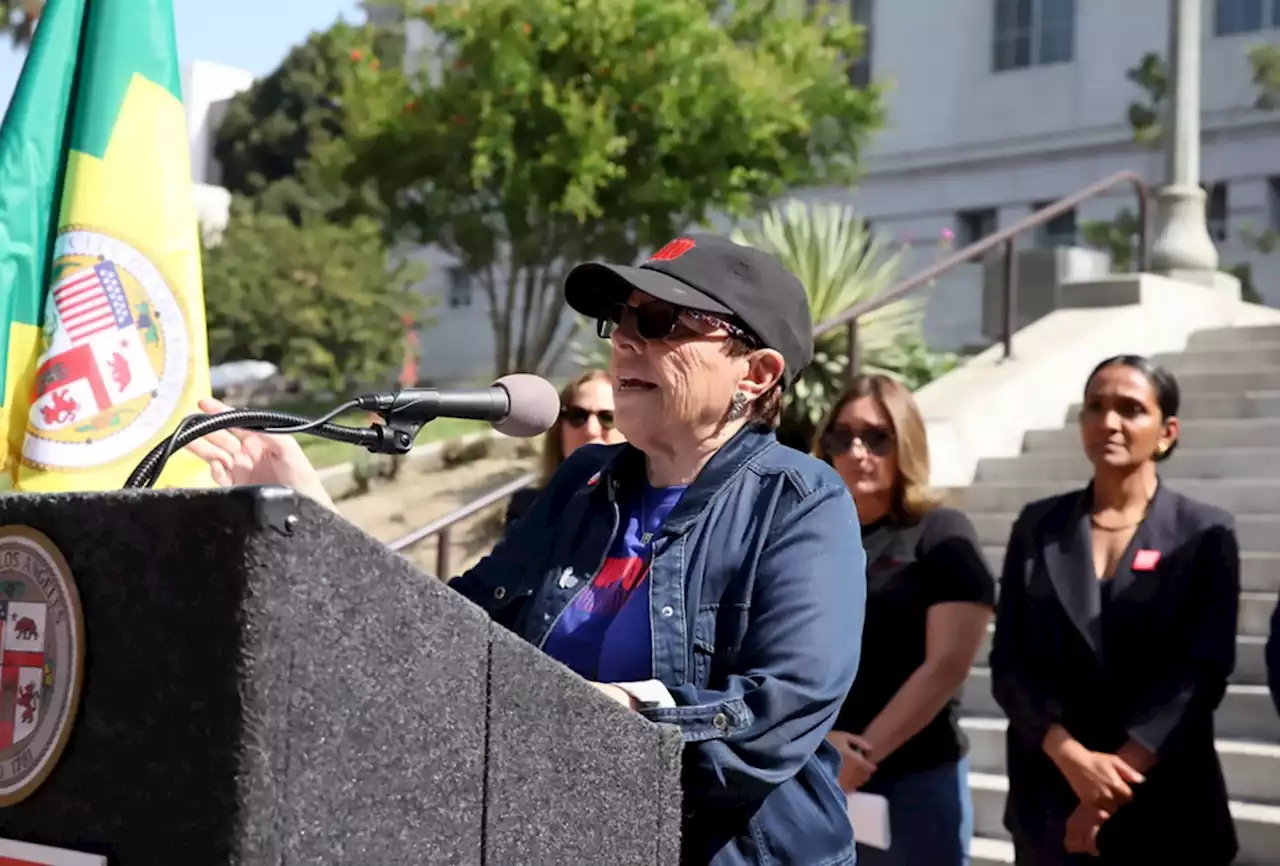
[{"x": 520, "y": 405}]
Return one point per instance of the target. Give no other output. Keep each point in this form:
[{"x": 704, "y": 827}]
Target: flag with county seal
[{"x": 99, "y": 251}]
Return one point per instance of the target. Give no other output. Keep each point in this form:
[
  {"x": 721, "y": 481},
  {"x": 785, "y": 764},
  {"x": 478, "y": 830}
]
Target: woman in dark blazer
[
  {"x": 1115, "y": 635},
  {"x": 1272, "y": 651}
]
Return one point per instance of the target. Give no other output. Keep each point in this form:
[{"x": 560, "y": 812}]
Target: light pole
[{"x": 1181, "y": 246}]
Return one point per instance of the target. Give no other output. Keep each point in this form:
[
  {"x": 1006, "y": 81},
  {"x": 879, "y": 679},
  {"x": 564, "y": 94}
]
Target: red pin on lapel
[{"x": 1145, "y": 560}]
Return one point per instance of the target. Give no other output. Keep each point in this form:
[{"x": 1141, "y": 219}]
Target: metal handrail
[
  {"x": 849, "y": 318},
  {"x": 441, "y": 526}
]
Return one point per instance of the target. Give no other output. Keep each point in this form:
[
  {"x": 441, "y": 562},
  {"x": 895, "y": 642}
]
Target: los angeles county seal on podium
[{"x": 41, "y": 659}]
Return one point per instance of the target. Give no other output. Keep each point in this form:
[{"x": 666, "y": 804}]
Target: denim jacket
[{"x": 757, "y": 597}]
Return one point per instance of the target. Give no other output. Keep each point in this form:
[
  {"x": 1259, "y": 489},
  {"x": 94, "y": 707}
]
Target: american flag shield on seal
[{"x": 96, "y": 360}]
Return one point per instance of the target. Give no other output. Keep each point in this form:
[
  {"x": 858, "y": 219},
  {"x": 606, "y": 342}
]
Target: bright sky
[{"x": 249, "y": 34}]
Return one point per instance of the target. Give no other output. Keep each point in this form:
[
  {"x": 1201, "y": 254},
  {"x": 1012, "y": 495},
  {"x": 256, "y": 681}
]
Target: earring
[
  {"x": 737, "y": 405},
  {"x": 1161, "y": 448}
]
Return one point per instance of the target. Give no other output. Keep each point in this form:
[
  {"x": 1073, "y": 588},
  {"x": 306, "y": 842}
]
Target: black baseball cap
[{"x": 714, "y": 275}]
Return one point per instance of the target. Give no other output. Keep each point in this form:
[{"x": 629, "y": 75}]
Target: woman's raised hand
[{"x": 239, "y": 457}]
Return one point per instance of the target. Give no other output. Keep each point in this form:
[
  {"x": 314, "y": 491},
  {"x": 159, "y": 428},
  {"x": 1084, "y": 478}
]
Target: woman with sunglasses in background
[
  {"x": 586, "y": 418},
  {"x": 930, "y": 595},
  {"x": 700, "y": 574}
]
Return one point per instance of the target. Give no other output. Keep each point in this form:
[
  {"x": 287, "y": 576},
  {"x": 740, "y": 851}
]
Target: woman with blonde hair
[
  {"x": 930, "y": 595},
  {"x": 586, "y": 417}
]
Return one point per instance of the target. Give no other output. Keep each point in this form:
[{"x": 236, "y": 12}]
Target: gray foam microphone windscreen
[{"x": 535, "y": 405}]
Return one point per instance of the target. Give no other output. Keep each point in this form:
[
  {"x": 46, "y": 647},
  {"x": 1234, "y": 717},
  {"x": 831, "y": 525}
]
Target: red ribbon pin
[{"x": 1145, "y": 560}]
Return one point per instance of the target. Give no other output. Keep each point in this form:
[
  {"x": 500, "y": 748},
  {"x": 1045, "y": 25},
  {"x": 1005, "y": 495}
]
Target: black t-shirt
[{"x": 909, "y": 569}]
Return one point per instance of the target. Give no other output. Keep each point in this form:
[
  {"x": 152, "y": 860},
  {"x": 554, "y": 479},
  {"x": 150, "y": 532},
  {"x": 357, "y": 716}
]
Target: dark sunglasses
[
  {"x": 576, "y": 416},
  {"x": 659, "y": 321},
  {"x": 839, "y": 440}
]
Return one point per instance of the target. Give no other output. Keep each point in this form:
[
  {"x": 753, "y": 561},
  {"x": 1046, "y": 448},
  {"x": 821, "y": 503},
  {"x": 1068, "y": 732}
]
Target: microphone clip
[{"x": 400, "y": 431}]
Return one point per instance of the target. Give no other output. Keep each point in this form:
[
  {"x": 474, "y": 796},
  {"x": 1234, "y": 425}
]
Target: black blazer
[
  {"x": 1152, "y": 665},
  {"x": 1273, "y": 657}
]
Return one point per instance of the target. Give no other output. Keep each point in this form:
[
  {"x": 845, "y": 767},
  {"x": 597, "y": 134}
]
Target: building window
[
  {"x": 1215, "y": 210},
  {"x": 860, "y": 70},
  {"x": 975, "y": 225},
  {"x": 1033, "y": 33},
  {"x": 1244, "y": 16},
  {"x": 1057, "y": 232},
  {"x": 459, "y": 286}
]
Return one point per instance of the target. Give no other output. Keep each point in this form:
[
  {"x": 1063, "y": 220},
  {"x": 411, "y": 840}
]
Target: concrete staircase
[{"x": 1229, "y": 455}]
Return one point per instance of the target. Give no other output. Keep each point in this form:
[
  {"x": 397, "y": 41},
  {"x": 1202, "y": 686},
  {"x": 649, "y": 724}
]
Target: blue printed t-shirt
[{"x": 604, "y": 633}]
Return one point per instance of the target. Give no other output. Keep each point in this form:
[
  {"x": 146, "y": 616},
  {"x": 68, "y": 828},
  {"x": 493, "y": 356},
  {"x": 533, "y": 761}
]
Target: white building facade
[
  {"x": 206, "y": 90},
  {"x": 998, "y": 107},
  {"x": 995, "y": 108}
]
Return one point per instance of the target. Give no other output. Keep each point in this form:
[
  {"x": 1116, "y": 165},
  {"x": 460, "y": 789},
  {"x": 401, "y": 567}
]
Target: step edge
[
  {"x": 1249, "y": 517},
  {"x": 1233, "y": 482},
  {"x": 1247, "y": 748},
  {"x": 985, "y": 848},
  {"x": 1253, "y": 639},
  {"x": 984, "y": 672},
  {"x": 1182, "y": 454},
  {"x": 1244, "y": 554},
  {"x": 1241, "y": 810}
]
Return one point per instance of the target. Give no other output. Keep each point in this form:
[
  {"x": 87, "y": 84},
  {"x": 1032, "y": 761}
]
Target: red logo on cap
[{"x": 673, "y": 250}]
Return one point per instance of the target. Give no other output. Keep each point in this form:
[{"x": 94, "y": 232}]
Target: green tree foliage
[
  {"x": 545, "y": 132},
  {"x": 265, "y": 140},
  {"x": 319, "y": 300},
  {"x": 843, "y": 265},
  {"x": 18, "y": 18},
  {"x": 1150, "y": 75},
  {"x": 1119, "y": 237},
  {"x": 1264, "y": 60}
]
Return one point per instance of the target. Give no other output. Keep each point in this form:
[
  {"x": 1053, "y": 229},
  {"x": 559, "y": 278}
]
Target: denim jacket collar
[{"x": 626, "y": 472}]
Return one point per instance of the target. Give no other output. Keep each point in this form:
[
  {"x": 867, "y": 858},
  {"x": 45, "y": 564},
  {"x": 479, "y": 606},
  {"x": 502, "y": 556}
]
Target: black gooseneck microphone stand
[{"x": 396, "y": 437}]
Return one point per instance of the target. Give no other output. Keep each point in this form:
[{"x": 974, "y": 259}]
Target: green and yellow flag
[{"x": 99, "y": 251}]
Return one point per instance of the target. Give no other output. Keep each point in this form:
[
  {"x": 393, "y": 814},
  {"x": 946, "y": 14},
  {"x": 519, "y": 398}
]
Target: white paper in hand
[{"x": 869, "y": 815}]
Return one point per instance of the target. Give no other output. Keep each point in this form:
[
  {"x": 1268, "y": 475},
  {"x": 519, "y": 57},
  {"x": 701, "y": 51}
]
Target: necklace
[
  {"x": 1094, "y": 520},
  {"x": 1146, "y": 509}
]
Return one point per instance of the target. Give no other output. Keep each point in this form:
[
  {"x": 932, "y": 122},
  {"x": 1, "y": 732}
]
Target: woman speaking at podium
[{"x": 701, "y": 573}]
